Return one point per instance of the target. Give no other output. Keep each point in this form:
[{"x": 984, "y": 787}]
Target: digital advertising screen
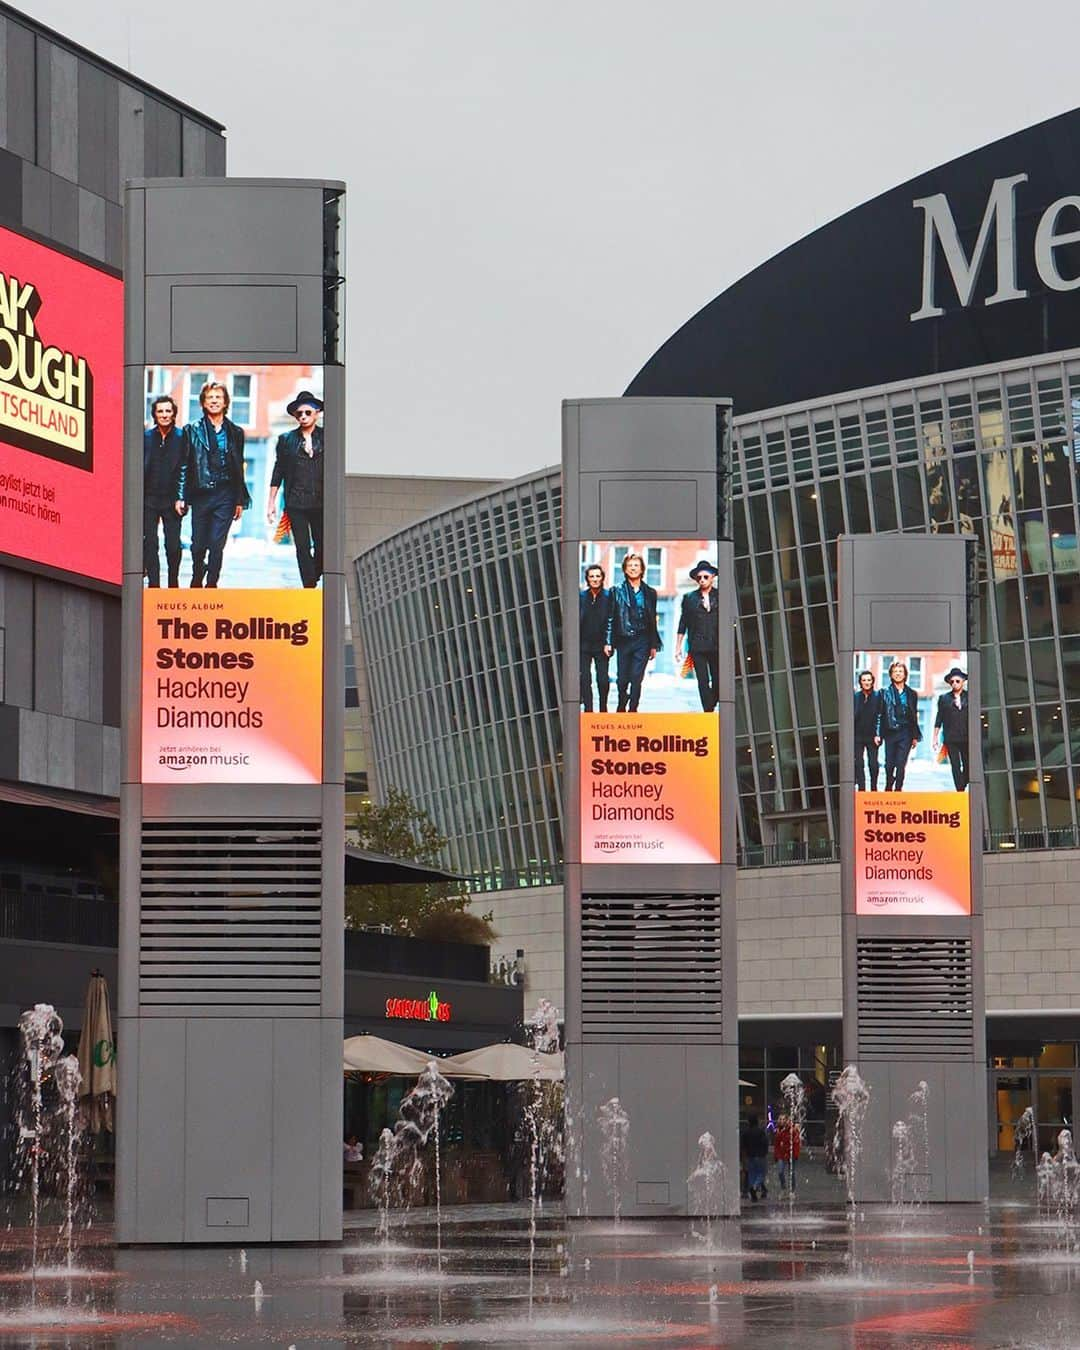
[
  {"x": 649, "y": 728},
  {"x": 61, "y": 410},
  {"x": 232, "y": 504},
  {"x": 912, "y": 805}
]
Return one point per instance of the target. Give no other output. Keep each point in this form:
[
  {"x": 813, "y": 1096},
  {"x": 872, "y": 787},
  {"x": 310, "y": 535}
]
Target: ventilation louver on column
[
  {"x": 650, "y": 967},
  {"x": 915, "y": 998},
  {"x": 230, "y": 917}
]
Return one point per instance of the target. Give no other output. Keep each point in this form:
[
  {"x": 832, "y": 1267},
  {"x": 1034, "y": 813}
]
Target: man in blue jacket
[
  {"x": 632, "y": 630},
  {"x": 163, "y": 450},
  {"x": 212, "y": 482}
]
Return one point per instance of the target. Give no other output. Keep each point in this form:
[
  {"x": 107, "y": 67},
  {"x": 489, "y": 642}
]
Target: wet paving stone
[{"x": 939, "y": 1277}]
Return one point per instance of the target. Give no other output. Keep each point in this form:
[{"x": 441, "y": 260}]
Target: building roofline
[{"x": 85, "y": 54}]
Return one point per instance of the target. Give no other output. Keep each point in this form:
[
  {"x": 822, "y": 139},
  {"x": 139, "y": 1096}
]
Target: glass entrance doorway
[{"x": 1045, "y": 1081}]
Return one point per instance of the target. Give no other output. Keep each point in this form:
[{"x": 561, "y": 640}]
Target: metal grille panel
[
  {"x": 650, "y": 968},
  {"x": 915, "y": 998},
  {"x": 230, "y": 917}
]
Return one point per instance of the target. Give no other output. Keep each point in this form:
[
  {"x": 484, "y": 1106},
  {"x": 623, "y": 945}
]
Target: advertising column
[
  {"x": 651, "y": 1021},
  {"x": 911, "y": 777},
  {"x": 230, "y": 1000}
]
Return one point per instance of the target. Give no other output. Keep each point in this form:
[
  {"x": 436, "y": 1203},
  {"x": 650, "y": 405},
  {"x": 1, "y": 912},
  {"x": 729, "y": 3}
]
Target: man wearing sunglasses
[
  {"x": 299, "y": 466},
  {"x": 951, "y": 726}
]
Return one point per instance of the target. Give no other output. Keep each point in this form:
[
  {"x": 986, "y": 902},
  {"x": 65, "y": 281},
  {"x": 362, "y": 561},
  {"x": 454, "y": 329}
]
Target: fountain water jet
[
  {"x": 42, "y": 1043},
  {"x": 851, "y": 1096},
  {"x": 707, "y": 1184},
  {"x": 541, "y": 1123},
  {"x": 794, "y": 1095},
  {"x": 1024, "y": 1134},
  {"x": 615, "y": 1129},
  {"x": 398, "y": 1164}
]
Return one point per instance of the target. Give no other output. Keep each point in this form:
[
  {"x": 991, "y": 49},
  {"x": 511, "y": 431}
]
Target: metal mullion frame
[
  {"x": 811, "y": 665},
  {"x": 545, "y": 727},
  {"x": 916, "y": 404},
  {"x": 1021, "y": 578},
  {"x": 787, "y": 653},
  {"x": 1067, "y": 447},
  {"x": 521, "y": 716}
]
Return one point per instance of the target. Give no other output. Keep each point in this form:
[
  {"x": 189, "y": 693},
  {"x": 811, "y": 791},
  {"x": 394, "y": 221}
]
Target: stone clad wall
[{"x": 789, "y": 935}]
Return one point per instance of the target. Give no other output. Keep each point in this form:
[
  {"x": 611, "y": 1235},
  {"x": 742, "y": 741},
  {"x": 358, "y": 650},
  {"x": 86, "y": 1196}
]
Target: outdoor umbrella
[
  {"x": 97, "y": 1056},
  {"x": 371, "y": 1054},
  {"x": 506, "y": 1063}
]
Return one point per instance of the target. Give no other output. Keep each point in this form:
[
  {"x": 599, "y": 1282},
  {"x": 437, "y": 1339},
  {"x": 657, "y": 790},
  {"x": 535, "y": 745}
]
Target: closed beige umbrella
[
  {"x": 506, "y": 1063},
  {"x": 97, "y": 1056}
]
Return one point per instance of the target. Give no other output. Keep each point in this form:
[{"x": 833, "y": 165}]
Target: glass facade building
[
  {"x": 460, "y": 621},
  {"x": 884, "y": 380},
  {"x": 460, "y": 618}
]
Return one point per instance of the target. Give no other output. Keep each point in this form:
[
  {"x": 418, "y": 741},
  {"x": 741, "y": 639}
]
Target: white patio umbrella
[
  {"x": 371, "y": 1054},
  {"x": 97, "y": 1056},
  {"x": 506, "y": 1063}
]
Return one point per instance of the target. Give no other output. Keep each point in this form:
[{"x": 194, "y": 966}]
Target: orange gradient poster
[
  {"x": 912, "y": 853},
  {"x": 232, "y": 686},
  {"x": 650, "y": 787}
]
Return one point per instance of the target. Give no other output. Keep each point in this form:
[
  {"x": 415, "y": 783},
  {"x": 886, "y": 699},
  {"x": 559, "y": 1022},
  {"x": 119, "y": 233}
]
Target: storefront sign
[{"x": 430, "y": 1009}]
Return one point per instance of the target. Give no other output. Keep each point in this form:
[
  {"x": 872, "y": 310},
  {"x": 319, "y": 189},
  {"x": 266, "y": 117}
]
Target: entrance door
[
  {"x": 1054, "y": 1108},
  {"x": 1012, "y": 1096}
]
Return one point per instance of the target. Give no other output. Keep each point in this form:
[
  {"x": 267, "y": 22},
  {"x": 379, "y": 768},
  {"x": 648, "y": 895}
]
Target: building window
[
  {"x": 654, "y": 563},
  {"x": 241, "y": 392},
  {"x": 157, "y": 386},
  {"x": 196, "y": 379}
]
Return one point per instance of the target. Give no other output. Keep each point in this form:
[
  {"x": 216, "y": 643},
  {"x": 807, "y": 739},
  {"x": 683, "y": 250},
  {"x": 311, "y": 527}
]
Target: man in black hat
[
  {"x": 163, "y": 449},
  {"x": 951, "y": 727},
  {"x": 699, "y": 625},
  {"x": 299, "y": 465}
]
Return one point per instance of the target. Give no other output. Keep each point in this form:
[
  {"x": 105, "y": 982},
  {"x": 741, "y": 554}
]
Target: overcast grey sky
[{"x": 541, "y": 193}]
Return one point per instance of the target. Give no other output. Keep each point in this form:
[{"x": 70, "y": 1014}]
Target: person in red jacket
[{"x": 787, "y": 1143}]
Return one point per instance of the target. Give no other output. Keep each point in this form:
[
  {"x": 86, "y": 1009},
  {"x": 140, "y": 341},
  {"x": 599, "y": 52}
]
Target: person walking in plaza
[
  {"x": 299, "y": 466},
  {"x": 699, "y": 625},
  {"x": 787, "y": 1145},
  {"x": 900, "y": 724},
  {"x": 632, "y": 631},
  {"x": 211, "y": 482},
  {"x": 756, "y": 1146},
  {"x": 951, "y": 727},
  {"x": 594, "y": 602},
  {"x": 163, "y": 450},
  {"x": 867, "y": 731}
]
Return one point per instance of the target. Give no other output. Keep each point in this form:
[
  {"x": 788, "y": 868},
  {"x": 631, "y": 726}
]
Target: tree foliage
[{"x": 399, "y": 828}]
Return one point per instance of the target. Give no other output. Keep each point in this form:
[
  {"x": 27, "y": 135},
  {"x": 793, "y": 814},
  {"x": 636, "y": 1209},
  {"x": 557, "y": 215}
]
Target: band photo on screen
[
  {"x": 233, "y": 477},
  {"x": 649, "y": 626},
  {"x": 911, "y": 721}
]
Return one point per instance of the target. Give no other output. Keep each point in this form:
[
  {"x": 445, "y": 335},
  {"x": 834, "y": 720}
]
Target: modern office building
[
  {"x": 912, "y": 366},
  {"x": 73, "y": 127}
]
